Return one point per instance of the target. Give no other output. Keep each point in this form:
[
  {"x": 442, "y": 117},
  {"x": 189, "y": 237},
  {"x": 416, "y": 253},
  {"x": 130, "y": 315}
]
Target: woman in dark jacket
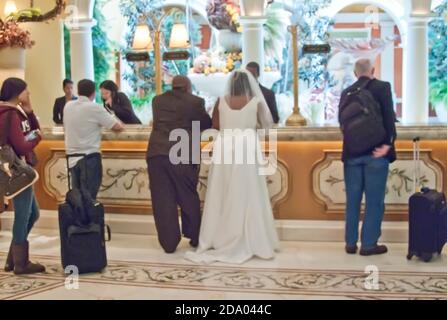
[
  {"x": 23, "y": 137},
  {"x": 118, "y": 103}
]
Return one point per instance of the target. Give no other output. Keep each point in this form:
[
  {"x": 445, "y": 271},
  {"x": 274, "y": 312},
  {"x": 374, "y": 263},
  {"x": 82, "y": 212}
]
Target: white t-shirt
[{"x": 83, "y": 123}]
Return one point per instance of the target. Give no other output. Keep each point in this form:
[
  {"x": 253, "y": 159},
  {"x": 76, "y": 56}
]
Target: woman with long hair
[
  {"x": 118, "y": 103},
  {"x": 19, "y": 128}
]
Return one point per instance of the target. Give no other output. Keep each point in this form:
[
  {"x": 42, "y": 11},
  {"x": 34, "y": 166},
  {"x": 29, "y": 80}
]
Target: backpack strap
[{"x": 366, "y": 84}]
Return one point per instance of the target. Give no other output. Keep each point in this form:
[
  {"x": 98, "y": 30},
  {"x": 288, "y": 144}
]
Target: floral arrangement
[
  {"x": 12, "y": 36},
  {"x": 220, "y": 62},
  {"x": 209, "y": 63},
  {"x": 224, "y": 14}
]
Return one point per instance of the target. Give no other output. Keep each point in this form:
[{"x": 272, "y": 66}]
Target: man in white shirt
[{"x": 83, "y": 123}]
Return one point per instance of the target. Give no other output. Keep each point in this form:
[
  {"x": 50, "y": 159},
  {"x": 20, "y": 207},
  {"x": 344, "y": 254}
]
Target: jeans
[
  {"x": 365, "y": 175},
  {"x": 26, "y": 213},
  {"x": 87, "y": 174}
]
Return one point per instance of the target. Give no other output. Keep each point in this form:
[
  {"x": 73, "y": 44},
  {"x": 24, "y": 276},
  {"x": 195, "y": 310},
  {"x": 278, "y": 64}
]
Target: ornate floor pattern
[{"x": 284, "y": 282}]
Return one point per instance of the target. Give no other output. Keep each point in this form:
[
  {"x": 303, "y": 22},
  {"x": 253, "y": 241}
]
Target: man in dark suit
[
  {"x": 368, "y": 173},
  {"x": 59, "y": 104},
  {"x": 174, "y": 175},
  {"x": 269, "y": 95}
]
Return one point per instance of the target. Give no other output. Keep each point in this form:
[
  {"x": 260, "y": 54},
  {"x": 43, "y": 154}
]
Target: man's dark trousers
[
  {"x": 87, "y": 174},
  {"x": 174, "y": 186}
]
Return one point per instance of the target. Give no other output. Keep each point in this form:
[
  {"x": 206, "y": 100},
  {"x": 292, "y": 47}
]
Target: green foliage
[
  {"x": 139, "y": 102},
  {"x": 276, "y": 31},
  {"x": 438, "y": 56},
  {"x": 103, "y": 48},
  {"x": 67, "y": 52},
  {"x": 313, "y": 29}
]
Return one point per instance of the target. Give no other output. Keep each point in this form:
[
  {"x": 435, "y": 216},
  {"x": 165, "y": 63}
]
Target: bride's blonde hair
[{"x": 240, "y": 84}]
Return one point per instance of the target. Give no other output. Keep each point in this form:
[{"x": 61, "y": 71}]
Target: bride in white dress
[{"x": 238, "y": 221}]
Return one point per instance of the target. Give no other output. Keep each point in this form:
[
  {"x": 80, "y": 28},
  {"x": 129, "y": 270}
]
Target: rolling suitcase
[
  {"x": 82, "y": 230},
  {"x": 427, "y": 217}
]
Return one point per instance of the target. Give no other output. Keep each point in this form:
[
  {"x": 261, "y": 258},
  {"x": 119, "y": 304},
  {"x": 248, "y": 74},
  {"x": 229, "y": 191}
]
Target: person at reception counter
[
  {"x": 269, "y": 95},
  {"x": 118, "y": 103},
  {"x": 83, "y": 123},
  {"x": 173, "y": 184},
  {"x": 366, "y": 162},
  {"x": 59, "y": 104}
]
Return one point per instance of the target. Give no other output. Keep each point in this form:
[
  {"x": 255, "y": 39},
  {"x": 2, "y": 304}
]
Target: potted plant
[{"x": 13, "y": 43}]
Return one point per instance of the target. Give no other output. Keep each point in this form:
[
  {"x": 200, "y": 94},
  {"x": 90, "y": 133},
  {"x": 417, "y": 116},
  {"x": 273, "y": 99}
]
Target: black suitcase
[
  {"x": 82, "y": 231},
  {"x": 427, "y": 218}
]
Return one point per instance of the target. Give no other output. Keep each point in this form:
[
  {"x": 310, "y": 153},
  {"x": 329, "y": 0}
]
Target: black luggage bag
[
  {"x": 427, "y": 218},
  {"x": 82, "y": 230}
]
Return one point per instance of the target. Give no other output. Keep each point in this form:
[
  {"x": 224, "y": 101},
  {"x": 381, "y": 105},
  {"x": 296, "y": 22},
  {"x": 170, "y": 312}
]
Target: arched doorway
[
  {"x": 377, "y": 25},
  {"x": 393, "y": 7}
]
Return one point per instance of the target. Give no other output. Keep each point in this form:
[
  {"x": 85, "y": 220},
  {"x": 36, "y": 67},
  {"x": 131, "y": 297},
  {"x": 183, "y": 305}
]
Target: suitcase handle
[
  {"x": 109, "y": 233},
  {"x": 68, "y": 157},
  {"x": 417, "y": 164}
]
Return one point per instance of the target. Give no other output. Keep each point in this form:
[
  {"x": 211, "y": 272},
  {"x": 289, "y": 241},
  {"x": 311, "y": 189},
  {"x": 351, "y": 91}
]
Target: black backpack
[{"x": 361, "y": 121}]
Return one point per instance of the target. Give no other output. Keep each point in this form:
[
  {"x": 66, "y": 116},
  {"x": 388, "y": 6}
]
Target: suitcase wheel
[
  {"x": 426, "y": 257},
  {"x": 409, "y": 256}
]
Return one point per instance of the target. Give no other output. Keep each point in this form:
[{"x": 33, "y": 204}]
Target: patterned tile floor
[{"x": 139, "y": 270}]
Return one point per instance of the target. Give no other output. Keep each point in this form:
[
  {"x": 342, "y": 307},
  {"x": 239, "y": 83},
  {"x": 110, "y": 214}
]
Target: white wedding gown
[{"x": 238, "y": 222}]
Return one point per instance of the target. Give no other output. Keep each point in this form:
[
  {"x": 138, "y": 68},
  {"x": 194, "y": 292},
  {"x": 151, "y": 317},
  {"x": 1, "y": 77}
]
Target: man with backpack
[{"x": 367, "y": 120}]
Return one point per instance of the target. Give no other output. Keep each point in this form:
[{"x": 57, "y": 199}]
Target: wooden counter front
[{"x": 307, "y": 185}]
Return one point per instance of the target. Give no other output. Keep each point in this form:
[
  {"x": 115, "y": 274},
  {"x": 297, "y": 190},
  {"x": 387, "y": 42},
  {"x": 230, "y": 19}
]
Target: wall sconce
[
  {"x": 179, "y": 37},
  {"x": 10, "y": 7},
  {"x": 142, "y": 39}
]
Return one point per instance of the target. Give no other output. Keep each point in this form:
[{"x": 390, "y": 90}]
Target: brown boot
[
  {"x": 9, "y": 265},
  {"x": 22, "y": 265}
]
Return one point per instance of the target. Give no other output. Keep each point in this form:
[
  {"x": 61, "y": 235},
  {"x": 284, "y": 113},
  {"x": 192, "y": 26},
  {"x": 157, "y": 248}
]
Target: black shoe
[
  {"x": 351, "y": 249},
  {"x": 374, "y": 251},
  {"x": 194, "y": 243}
]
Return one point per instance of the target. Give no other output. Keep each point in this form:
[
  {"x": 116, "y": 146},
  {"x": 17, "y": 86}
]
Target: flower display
[
  {"x": 224, "y": 14},
  {"x": 209, "y": 63},
  {"x": 219, "y": 62},
  {"x": 12, "y": 36}
]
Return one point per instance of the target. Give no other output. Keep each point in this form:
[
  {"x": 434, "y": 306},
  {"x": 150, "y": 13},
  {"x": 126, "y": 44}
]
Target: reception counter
[{"x": 308, "y": 183}]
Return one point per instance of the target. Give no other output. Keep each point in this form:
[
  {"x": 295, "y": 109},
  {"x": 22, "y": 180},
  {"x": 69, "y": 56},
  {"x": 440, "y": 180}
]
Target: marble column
[
  {"x": 80, "y": 22},
  {"x": 416, "y": 73},
  {"x": 388, "y": 55},
  {"x": 253, "y": 41},
  {"x": 82, "y": 64}
]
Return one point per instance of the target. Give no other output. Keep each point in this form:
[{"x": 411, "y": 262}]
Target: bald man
[
  {"x": 173, "y": 180},
  {"x": 367, "y": 174}
]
